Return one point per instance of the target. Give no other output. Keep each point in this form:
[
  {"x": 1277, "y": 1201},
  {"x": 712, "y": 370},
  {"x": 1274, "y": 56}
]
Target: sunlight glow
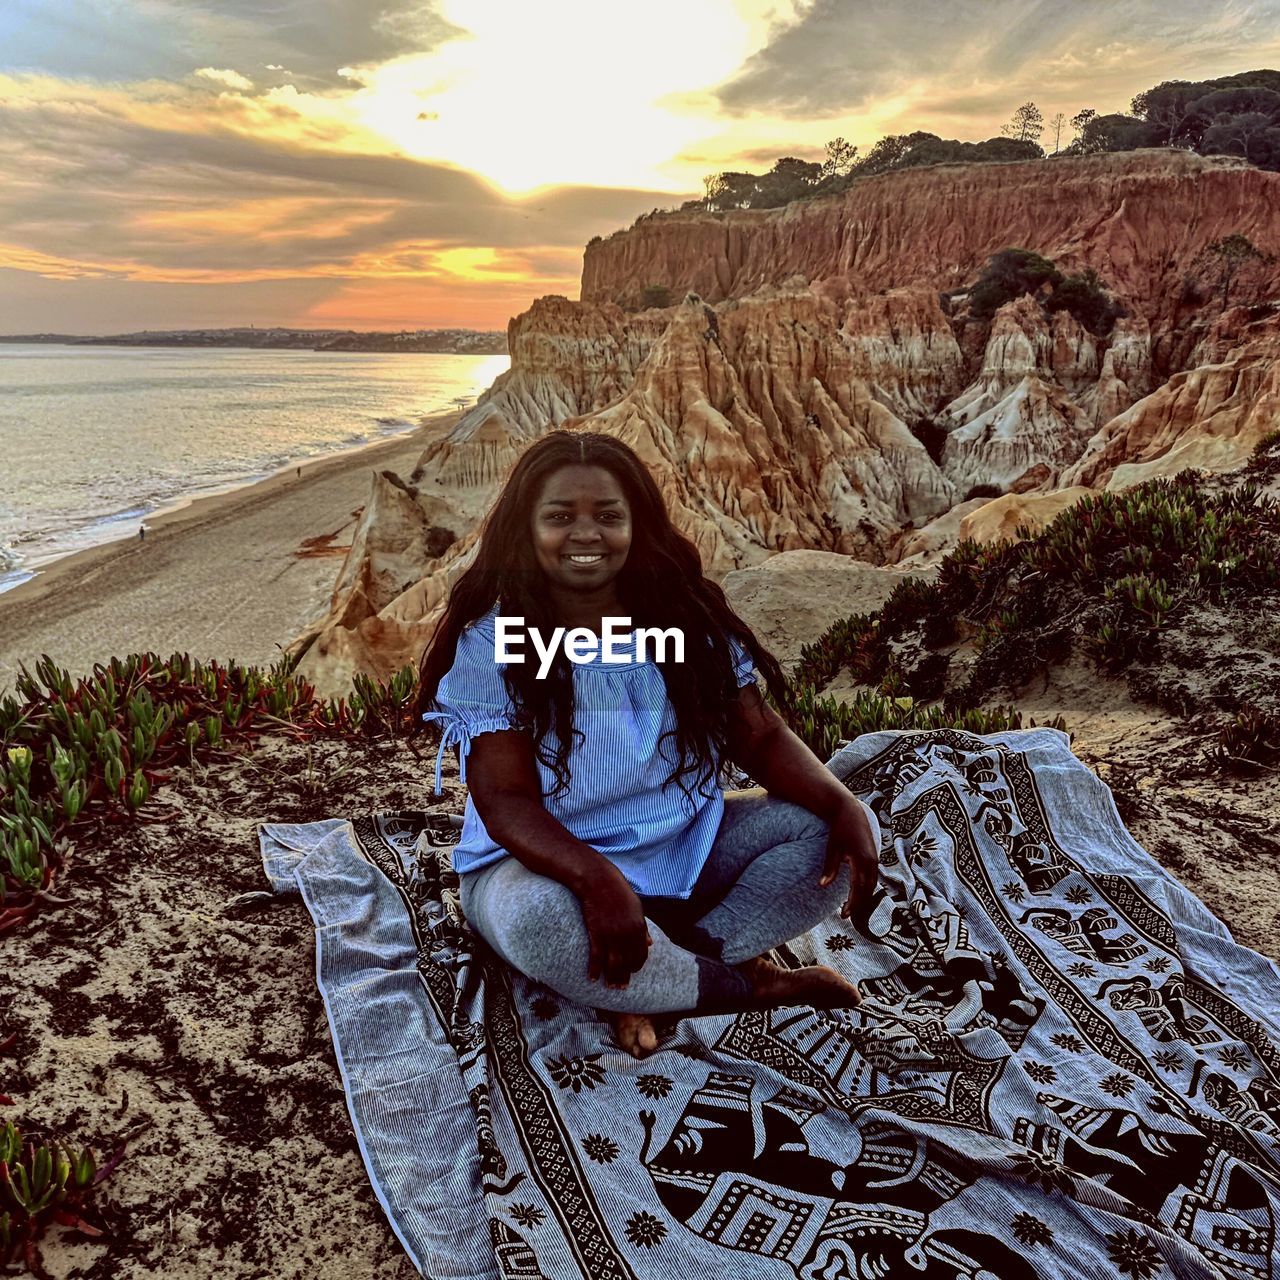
[
  {"x": 586, "y": 109},
  {"x": 285, "y": 217}
]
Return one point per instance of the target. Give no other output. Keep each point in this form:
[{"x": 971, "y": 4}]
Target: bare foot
[
  {"x": 815, "y": 985},
  {"x": 635, "y": 1032}
]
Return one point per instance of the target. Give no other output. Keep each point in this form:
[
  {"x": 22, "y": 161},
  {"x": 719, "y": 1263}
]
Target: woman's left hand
[{"x": 851, "y": 841}]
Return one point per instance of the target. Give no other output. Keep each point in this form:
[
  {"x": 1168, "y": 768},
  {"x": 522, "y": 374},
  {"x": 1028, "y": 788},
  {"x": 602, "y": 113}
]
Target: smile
[{"x": 586, "y": 559}]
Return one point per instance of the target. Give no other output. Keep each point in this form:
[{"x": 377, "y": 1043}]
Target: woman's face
[{"x": 581, "y": 528}]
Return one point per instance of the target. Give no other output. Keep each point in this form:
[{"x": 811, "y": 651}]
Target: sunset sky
[{"x": 430, "y": 163}]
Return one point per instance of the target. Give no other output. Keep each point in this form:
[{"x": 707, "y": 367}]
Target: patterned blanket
[{"x": 1063, "y": 1065}]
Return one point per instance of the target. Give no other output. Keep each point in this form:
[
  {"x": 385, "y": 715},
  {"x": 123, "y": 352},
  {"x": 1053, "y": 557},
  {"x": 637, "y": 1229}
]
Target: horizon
[
  {"x": 434, "y": 165},
  {"x": 233, "y": 328}
]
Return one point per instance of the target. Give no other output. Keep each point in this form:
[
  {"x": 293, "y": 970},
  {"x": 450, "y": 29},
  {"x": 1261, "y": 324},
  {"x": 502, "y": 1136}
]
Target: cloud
[
  {"x": 168, "y": 38},
  {"x": 93, "y": 190},
  {"x": 232, "y": 79},
  {"x": 843, "y": 55}
]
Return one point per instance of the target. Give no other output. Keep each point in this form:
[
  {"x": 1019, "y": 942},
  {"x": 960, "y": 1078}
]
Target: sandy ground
[
  {"x": 162, "y": 1009},
  {"x": 227, "y": 576}
]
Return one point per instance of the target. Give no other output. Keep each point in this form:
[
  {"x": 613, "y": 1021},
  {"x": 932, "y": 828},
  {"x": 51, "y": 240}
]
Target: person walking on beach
[
  {"x": 142, "y": 532},
  {"x": 598, "y": 854}
]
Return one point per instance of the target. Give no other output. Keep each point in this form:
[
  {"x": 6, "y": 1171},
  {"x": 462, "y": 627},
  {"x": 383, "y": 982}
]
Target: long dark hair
[{"x": 660, "y": 585}]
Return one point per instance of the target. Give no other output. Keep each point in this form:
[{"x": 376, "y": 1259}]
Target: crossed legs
[{"x": 759, "y": 889}]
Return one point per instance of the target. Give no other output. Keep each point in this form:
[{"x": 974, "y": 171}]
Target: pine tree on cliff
[{"x": 1027, "y": 124}]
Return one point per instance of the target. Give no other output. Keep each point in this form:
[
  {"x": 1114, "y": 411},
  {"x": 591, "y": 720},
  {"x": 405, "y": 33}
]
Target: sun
[{"x": 563, "y": 92}]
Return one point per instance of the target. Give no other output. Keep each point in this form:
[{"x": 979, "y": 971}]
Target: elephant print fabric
[{"x": 1063, "y": 1065}]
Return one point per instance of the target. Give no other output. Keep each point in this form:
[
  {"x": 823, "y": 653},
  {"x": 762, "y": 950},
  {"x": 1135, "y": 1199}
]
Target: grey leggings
[{"x": 758, "y": 889}]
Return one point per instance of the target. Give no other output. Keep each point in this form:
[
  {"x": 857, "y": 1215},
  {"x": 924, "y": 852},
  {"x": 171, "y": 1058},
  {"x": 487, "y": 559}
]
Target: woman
[{"x": 598, "y": 854}]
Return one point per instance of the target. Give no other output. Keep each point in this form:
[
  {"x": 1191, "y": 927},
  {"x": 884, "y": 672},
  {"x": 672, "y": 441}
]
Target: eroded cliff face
[
  {"x": 852, "y": 407},
  {"x": 1139, "y": 218},
  {"x": 566, "y": 360}
]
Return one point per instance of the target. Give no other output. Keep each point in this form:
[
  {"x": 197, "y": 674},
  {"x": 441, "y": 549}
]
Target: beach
[{"x": 227, "y": 576}]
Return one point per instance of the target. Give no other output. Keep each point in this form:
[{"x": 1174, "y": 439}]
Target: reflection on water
[{"x": 95, "y": 439}]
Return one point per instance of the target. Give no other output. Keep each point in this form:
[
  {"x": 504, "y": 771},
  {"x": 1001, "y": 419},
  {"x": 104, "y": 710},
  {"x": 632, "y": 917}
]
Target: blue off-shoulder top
[{"x": 658, "y": 838}]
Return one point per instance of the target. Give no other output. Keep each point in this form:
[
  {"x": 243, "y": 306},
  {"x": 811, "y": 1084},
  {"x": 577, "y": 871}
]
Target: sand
[
  {"x": 226, "y": 577},
  {"x": 162, "y": 1009}
]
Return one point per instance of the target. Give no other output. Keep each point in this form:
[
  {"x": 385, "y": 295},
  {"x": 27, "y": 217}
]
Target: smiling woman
[{"x": 579, "y": 862}]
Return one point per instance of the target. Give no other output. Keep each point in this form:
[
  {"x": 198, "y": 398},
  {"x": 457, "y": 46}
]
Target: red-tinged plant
[{"x": 41, "y": 1185}]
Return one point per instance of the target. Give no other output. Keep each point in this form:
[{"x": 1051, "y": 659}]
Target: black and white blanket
[{"x": 1063, "y": 1065}]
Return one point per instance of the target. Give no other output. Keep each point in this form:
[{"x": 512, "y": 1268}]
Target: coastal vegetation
[
  {"x": 1013, "y": 272},
  {"x": 1116, "y": 573},
  {"x": 1236, "y": 115}
]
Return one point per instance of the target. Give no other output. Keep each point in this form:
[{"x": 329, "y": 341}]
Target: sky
[{"x": 393, "y": 164}]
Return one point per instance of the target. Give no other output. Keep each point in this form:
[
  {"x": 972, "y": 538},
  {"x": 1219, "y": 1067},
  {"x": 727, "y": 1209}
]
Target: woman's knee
[
  {"x": 533, "y": 922},
  {"x": 792, "y": 822}
]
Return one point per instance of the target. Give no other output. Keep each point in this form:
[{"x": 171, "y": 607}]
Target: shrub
[
  {"x": 1268, "y": 442},
  {"x": 1248, "y": 744},
  {"x": 40, "y": 1186},
  {"x": 1008, "y": 275},
  {"x": 1084, "y": 297},
  {"x": 1012, "y": 272}
]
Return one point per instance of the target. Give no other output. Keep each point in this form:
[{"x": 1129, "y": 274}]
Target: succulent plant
[
  {"x": 40, "y": 1185},
  {"x": 1249, "y": 743}
]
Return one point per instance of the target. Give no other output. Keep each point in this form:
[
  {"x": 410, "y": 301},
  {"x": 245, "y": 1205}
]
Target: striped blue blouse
[{"x": 659, "y": 839}]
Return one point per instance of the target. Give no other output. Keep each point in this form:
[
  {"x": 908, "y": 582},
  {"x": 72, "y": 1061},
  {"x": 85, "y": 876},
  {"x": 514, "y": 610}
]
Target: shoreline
[
  {"x": 187, "y": 510},
  {"x": 195, "y": 560},
  {"x": 162, "y": 515}
]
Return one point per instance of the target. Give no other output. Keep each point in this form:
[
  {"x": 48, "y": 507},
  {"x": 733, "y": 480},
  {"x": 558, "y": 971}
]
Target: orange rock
[{"x": 822, "y": 385}]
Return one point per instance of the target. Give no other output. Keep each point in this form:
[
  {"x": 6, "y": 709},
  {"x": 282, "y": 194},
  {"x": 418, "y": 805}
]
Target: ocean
[{"x": 94, "y": 440}]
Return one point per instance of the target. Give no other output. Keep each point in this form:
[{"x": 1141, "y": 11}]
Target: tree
[
  {"x": 1232, "y": 262},
  {"x": 1007, "y": 275},
  {"x": 789, "y": 179},
  {"x": 888, "y": 153},
  {"x": 1114, "y": 133},
  {"x": 840, "y": 158},
  {"x": 1166, "y": 106},
  {"x": 1027, "y": 124},
  {"x": 1080, "y": 120},
  {"x": 1253, "y": 135},
  {"x": 790, "y": 169},
  {"x": 1056, "y": 122},
  {"x": 1002, "y": 149},
  {"x": 730, "y": 190}
]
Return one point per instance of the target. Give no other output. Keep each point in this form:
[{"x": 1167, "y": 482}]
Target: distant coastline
[{"x": 421, "y": 341}]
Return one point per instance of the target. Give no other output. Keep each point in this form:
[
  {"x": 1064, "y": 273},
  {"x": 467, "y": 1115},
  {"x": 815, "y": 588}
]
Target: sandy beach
[{"x": 225, "y": 577}]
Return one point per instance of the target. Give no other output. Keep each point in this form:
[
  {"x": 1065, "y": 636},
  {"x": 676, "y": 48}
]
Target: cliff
[
  {"x": 824, "y": 385},
  {"x": 1138, "y": 218}
]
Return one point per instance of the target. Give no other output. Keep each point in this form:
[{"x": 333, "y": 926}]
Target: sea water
[{"x": 93, "y": 440}]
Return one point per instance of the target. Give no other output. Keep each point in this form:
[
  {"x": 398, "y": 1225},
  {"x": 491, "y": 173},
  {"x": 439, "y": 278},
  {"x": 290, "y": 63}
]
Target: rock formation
[
  {"x": 824, "y": 386},
  {"x": 1139, "y": 218}
]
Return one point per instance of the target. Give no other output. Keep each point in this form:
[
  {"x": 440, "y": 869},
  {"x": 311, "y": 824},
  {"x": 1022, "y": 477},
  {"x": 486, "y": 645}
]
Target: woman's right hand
[{"x": 617, "y": 930}]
